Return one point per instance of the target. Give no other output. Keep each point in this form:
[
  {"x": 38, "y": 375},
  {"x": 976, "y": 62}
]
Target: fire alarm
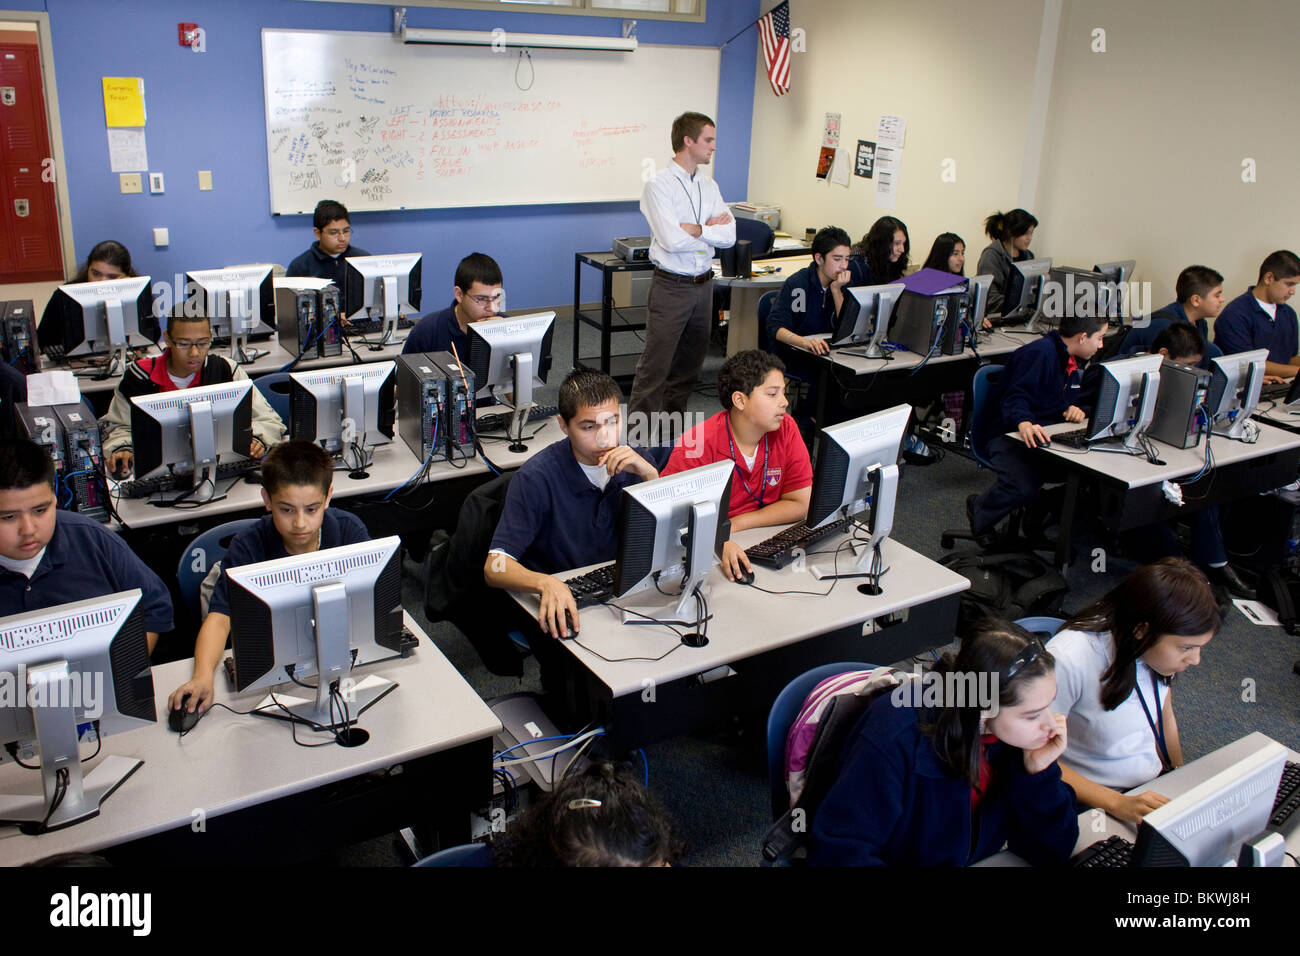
[{"x": 192, "y": 36}]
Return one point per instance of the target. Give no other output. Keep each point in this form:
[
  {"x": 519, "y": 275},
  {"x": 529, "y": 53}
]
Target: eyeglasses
[
  {"x": 336, "y": 233},
  {"x": 191, "y": 345},
  {"x": 1027, "y": 656},
  {"x": 483, "y": 301}
]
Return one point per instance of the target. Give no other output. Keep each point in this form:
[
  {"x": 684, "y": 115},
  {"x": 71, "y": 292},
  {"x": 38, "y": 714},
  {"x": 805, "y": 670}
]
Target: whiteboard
[{"x": 377, "y": 124}]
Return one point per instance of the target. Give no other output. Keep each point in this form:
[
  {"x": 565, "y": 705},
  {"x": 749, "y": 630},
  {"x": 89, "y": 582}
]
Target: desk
[
  {"x": 1129, "y": 487},
  {"x": 266, "y": 800},
  {"x": 766, "y": 639},
  {"x": 742, "y": 325},
  {"x": 1171, "y": 785}
]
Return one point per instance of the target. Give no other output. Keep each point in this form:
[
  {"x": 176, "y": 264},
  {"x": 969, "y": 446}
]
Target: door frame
[{"x": 50, "y": 91}]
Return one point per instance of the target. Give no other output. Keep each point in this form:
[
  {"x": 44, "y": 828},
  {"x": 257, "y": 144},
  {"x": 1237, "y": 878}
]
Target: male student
[
  {"x": 1200, "y": 298},
  {"x": 561, "y": 509},
  {"x": 297, "y": 484},
  {"x": 811, "y": 298},
  {"x": 772, "y": 483},
  {"x": 688, "y": 220},
  {"x": 185, "y": 363},
  {"x": 50, "y": 557},
  {"x": 1039, "y": 385},
  {"x": 477, "y": 295},
  {"x": 1259, "y": 318},
  {"x": 324, "y": 260}
]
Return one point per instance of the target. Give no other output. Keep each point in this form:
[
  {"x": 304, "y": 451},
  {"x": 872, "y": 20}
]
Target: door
[{"x": 29, "y": 222}]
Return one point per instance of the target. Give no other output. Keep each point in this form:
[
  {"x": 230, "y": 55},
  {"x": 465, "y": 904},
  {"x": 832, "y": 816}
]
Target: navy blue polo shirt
[
  {"x": 263, "y": 543},
  {"x": 436, "y": 332},
  {"x": 1243, "y": 325},
  {"x": 320, "y": 264},
  {"x": 555, "y": 519},
  {"x": 1034, "y": 386},
  {"x": 814, "y": 315},
  {"x": 1141, "y": 338},
  {"x": 85, "y": 560}
]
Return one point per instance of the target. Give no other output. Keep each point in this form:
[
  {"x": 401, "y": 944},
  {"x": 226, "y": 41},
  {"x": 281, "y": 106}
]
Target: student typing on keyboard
[{"x": 772, "y": 483}]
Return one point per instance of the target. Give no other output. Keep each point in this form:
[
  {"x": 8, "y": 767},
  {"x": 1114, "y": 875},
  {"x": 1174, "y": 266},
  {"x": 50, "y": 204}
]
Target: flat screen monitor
[
  {"x": 77, "y": 663},
  {"x": 100, "y": 318},
  {"x": 1126, "y": 403},
  {"x": 382, "y": 289},
  {"x": 1235, "y": 381},
  {"x": 344, "y": 409},
  {"x": 1118, "y": 276},
  {"x": 511, "y": 355},
  {"x": 978, "y": 293},
  {"x": 192, "y": 430},
  {"x": 864, "y": 318},
  {"x": 240, "y": 304},
  {"x": 856, "y": 477},
  {"x": 313, "y": 618},
  {"x": 1024, "y": 290}
]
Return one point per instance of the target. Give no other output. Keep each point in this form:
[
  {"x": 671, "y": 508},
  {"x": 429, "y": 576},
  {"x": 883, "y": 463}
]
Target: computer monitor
[
  {"x": 98, "y": 318},
  {"x": 1024, "y": 290},
  {"x": 673, "y": 530},
  {"x": 1126, "y": 403},
  {"x": 1118, "y": 275},
  {"x": 1292, "y": 400},
  {"x": 318, "y": 615},
  {"x": 1235, "y": 381},
  {"x": 515, "y": 354},
  {"x": 381, "y": 289},
  {"x": 855, "y": 479},
  {"x": 864, "y": 318},
  {"x": 344, "y": 409},
  {"x": 978, "y": 293},
  {"x": 1207, "y": 825},
  {"x": 239, "y": 302},
  {"x": 77, "y": 663},
  {"x": 192, "y": 430}
]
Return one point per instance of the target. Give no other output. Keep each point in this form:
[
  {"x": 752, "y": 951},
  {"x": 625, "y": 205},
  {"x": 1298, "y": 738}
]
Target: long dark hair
[
  {"x": 876, "y": 246},
  {"x": 110, "y": 251},
  {"x": 992, "y": 649},
  {"x": 942, "y": 250},
  {"x": 1171, "y": 596}
]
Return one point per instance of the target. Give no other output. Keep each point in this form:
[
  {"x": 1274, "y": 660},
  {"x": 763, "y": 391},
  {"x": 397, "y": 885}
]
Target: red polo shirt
[{"x": 781, "y": 464}]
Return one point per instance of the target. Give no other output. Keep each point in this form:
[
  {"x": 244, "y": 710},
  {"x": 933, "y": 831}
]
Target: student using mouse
[
  {"x": 561, "y": 509},
  {"x": 50, "y": 557},
  {"x": 772, "y": 481},
  {"x": 1039, "y": 385},
  {"x": 297, "y": 485},
  {"x": 811, "y": 298},
  {"x": 946, "y": 782},
  {"x": 1259, "y": 318},
  {"x": 1011, "y": 232},
  {"x": 185, "y": 363},
  {"x": 1115, "y": 663},
  {"x": 477, "y": 296},
  {"x": 324, "y": 259},
  {"x": 1199, "y": 291},
  {"x": 948, "y": 254}
]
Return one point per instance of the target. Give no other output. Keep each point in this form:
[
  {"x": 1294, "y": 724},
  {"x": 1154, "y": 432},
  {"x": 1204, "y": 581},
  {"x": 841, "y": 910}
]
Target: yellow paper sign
[{"x": 123, "y": 100}]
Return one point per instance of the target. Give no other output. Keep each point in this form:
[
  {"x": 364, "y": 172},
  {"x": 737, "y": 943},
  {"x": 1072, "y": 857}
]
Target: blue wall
[{"x": 206, "y": 111}]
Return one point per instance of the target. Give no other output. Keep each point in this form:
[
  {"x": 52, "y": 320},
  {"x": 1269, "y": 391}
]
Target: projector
[{"x": 633, "y": 248}]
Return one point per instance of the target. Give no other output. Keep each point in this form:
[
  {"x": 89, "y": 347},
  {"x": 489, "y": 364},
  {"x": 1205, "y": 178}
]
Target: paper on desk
[
  {"x": 53, "y": 388},
  {"x": 840, "y": 168},
  {"x": 1257, "y": 613},
  {"x": 127, "y": 152}
]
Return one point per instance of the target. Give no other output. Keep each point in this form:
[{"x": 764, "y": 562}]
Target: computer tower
[
  {"x": 1183, "y": 389},
  {"x": 422, "y": 405},
  {"x": 18, "y": 335},
  {"x": 929, "y": 324},
  {"x": 330, "y": 342},
  {"x": 307, "y": 317},
  {"x": 85, "y": 458},
  {"x": 39, "y": 423},
  {"x": 460, "y": 405}
]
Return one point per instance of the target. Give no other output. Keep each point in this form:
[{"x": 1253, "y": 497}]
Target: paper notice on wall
[
  {"x": 892, "y": 130},
  {"x": 126, "y": 151},
  {"x": 824, "y": 160},
  {"x": 888, "y": 158},
  {"x": 886, "y": 189},
  {"x": 123, "y": 101},
  {"x": 831, "y": 137},
  {"x": 840, "y": 168},
  {"x": 866, "y": 160}
]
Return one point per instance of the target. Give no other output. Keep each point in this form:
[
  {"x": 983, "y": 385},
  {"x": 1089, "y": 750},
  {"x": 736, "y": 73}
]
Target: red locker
[{"x": 29, "y": 239}]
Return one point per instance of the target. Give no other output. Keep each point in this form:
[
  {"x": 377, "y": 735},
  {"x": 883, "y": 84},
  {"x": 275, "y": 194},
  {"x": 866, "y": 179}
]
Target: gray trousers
[{"x": 676, "y": 341}]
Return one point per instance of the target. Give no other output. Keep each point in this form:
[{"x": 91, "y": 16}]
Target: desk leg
[
  {"x": 742, "y": 326},
  {"x": 606, "y": 319},
  {"x": 577, "y": 304},
  {"x": 1067, "y": 522}
]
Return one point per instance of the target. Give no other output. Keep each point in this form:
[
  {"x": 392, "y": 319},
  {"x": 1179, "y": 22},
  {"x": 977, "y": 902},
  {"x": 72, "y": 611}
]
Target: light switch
[
  {"x": 160, "y": 237},
  {"x": 155, "y": 182},
  {"x": 205, "y": 179},
  {"x": 131, "y": 183}
]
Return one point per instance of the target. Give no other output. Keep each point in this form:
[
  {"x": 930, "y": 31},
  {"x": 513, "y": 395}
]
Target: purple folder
[{"x": 932, "y": 281}]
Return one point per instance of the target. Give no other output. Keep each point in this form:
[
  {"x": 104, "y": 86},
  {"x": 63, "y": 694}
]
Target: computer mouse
[
  {"x": 568, "y": 622},
  {"x": 745, "y": 577},
  {"x": 182, "y": 721}
]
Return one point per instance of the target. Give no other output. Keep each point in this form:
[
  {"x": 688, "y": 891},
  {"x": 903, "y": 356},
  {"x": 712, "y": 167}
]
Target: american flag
[{"x": 774, "y": 30}]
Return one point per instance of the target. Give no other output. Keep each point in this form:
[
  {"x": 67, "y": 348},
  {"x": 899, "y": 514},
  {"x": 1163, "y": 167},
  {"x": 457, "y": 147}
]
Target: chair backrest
[
  {"x": 784, "y": 710},
  {"x": 984, "y": 418},
  {"x": 203, "y": 552},
  {"x": 765, "y": 303},
  {"x": 758, "y": 233},
  {"x": 1042, "y": 625},
  {"x": 467, "y": 854},
  {"x": 275, "y": 389}
]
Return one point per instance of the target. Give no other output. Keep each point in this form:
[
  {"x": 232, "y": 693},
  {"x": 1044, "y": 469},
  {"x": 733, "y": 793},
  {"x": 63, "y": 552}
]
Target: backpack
[
  {"x": 813, "y": 747},
  {"x": 1011, "y": 586},
  {"x": 1279, "y": 588}
]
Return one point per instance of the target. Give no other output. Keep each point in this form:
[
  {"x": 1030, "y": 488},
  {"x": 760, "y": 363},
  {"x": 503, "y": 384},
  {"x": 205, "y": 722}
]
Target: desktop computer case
[
  {"x": 1183, "y": 389},
  {"x": 422, "y": 405}
]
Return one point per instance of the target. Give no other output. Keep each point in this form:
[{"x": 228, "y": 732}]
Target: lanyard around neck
[
  {"x": 762, "y": 475},
  {"x": 697, "y": 212},
  {"x": 1158, "y": 724}
]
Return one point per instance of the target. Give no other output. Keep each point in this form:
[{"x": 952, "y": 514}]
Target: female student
[
  {"x": 1115, "y": 661},
  {"x": 881, "y": 256},
  {"x": 1011, "y": 232},
  {"x": 108, "y": 260},
  {"x": 948, "y": 254},
  {"x": 948, "y": 785}
]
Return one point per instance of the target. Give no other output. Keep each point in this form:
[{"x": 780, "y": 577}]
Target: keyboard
[
  {"x": 1276, "y": 392},
  {"x": 373, "y": 326},
  {"x": 500, "y": 421},
  {"x": 1110, "y": 853},
  {"x": 1288, "y": 795},
  {"x": 1072, "y": 439},
  {"x": 594, "y": 587},
  {"x": 147, "y": 487},
  {"x": 778, "y": 550}
]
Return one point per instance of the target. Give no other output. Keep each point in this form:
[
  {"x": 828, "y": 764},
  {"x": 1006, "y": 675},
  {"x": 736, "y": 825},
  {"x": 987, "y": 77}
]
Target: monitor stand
[
  {"x": 54, "y": 713},
  {"x": 241, "y": 353},
  {"x": 701, "y": 533},
  {"x": 391, "y": 314},
  {"x": 883, "y": 490},
  {"x": 522, "y": 366}
]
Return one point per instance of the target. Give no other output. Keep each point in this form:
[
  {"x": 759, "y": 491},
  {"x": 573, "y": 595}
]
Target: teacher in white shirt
[{"x": 688, "y": 219}]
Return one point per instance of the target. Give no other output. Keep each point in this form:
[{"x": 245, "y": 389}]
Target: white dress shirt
[{"x": 673, "y": 197}]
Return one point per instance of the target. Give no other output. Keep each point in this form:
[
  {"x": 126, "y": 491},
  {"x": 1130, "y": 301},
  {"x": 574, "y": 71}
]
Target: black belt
[{"x": 686, "y": 280}]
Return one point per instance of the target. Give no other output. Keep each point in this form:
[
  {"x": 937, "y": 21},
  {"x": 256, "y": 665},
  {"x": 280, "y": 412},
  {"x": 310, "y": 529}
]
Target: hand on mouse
[
  {"x": 120, "y": 462},
  {"x": 1032, "y": 435},
  {"x": 735, "y": 562},
  {"x": 556, "y": 598},
  {"x": 201, "y": 695}
]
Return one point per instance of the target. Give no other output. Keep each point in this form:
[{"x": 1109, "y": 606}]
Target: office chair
[
  {"x": 205, "y": 551},
  {"x": 275, "y": 389},
  {"x": 467, "y": 854},
  {"x": 765, "y": 303},
  {"x": 758, "y": 233},
  {"x": 1044, "y": 627}
]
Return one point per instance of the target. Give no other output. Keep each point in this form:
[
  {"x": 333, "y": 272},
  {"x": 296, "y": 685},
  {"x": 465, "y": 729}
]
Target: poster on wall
[
  {"x": 866, "y": 160},
  {"x": 824, "y": 160}
]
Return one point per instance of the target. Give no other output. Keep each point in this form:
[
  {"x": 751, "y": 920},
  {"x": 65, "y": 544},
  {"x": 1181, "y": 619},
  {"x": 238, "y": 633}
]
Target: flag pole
[{"x": 725, "y": 42}]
